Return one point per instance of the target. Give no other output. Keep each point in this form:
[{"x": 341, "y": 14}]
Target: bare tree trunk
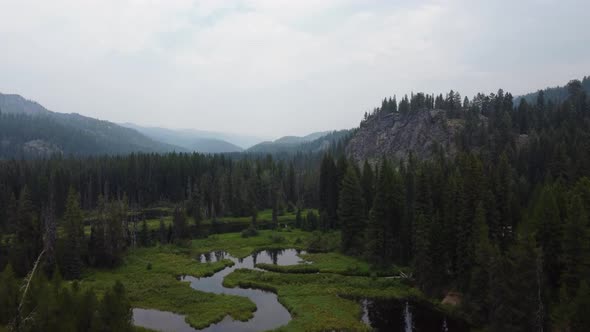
[{"x": 16, "y": 323}]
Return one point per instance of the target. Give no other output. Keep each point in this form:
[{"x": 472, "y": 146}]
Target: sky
[{"x": 279, "y": 67}]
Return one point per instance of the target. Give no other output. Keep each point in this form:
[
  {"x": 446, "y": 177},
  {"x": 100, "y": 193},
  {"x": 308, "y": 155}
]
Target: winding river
[
  {"x": 270, "y": 314},
  {"x": 381, "y": 315}
]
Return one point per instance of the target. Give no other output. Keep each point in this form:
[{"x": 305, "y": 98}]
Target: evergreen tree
[
  {"x": 9, "y": 296},
  {"x": 180, "y": 226},
  {"x": 144, "y": 235},
  {"x": 298, "y": 219},
  {"x": 74, "y": 233},
  {"x": 115, "y": 310},
  {"x": 477, "y": 301},
  {"x": 367, "y": 183},
  {"x": 351, "y": 213},
  {"x": 548, "y": 235},
  {"x": 162, "y": 233},
  {"x": 422, "y": 260},
  {"x": 328, "y": 190},
  {"x": 27, "y": 244},
  {"x": 384, "y": 229},
  {"x": 576, "y": 248}
]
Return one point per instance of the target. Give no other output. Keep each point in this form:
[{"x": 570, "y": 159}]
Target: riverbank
[{"x": 322, "y": 294}]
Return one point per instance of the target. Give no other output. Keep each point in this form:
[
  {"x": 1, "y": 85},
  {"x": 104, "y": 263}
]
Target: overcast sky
[{"x": 278, "y": 67}]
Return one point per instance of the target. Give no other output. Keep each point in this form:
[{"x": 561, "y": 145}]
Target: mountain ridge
[{"x": 31, "y": 130}]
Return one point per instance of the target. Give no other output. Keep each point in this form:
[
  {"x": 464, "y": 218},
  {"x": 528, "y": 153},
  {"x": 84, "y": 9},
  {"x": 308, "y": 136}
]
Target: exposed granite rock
[
  {"x": 40, "y": 148},
  {"x": 396, "y": 135}
]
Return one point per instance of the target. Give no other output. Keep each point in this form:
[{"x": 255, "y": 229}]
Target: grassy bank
[
  {"x": 264, "y": 217},
  {"x": 240, "y": 247},
  {"x": 317, "y": 301},
  {"x": 157, "y": 287},
  {"x": 321, "y": 302}
]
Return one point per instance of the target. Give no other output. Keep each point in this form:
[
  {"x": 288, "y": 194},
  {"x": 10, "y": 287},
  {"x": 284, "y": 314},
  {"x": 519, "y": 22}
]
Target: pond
[
  {"x": 270, "y": 314},
  {"x": 403, "y": 316}
]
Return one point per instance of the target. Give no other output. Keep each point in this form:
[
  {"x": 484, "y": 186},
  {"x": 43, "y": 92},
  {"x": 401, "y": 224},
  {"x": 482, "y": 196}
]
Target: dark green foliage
[
  {"x": 514, "y": 289},
  {"x": 368, "y": 184},
  {"x": 548, "y": 235},
  {"x": 115, "y": 310},
  {"x": 180, "y": 226},
  {"x": 384, "y": 230},
  {"x": 9, "y": 295},
  {"x": 423, "y": 268},
  {"x": 329, "y": 191},
  {"x": 311, "y": 221},
  {"x": 107, "y": 236},
  {"x": 57, "y": 306},
  {"x": 249, "y": 232},
  {"x": 27, "y": 244},
  {"x": 351, "y": 213},
  {"x": 162, "y": 233},
  {"x": 74, "y": 237},
  {"x": 478, "y": 296},
  {"x": 144, "y": 235}
]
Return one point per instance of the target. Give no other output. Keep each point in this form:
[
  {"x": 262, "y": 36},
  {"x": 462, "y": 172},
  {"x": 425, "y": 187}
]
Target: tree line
[{"x": 504, "y": 221}]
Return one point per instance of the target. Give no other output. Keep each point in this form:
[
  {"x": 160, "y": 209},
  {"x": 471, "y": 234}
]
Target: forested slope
[{"x": 28, "y": 130}]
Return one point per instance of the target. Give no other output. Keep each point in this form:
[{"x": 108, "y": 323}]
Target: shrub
[
  {"x": 249, "y": 232},
  {"x": 277, "y": 238}
]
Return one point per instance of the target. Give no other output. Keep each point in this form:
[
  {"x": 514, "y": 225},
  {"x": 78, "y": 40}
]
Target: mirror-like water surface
[
  {"x": 403, "y": 316},
  {"x": 270, "y": 314}
]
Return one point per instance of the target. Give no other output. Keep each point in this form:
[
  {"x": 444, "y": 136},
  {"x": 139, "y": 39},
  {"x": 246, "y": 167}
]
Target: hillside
[
  {"x": 286, "y": 143},
  {"x": 187, "y": 139},
  {"x": 395, "y": 135},
  {"x": 27, "y": 129},
  {"x": 554, "y": 94}
]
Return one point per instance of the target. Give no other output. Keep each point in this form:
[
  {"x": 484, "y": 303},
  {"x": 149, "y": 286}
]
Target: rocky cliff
[{"x": 395, "y": 135}]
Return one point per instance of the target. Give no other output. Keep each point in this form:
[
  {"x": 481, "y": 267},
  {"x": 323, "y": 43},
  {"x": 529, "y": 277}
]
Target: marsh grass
[
  {"x": 238, "y": 246},
  {"x": 322, "y": 302},
  {"x": 159, "y": 288}
]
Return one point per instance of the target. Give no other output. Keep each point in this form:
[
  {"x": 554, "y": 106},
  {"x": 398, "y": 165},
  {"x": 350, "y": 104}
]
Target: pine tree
[
  {"x": 144, "y": 235},
  {"x": 576, "y": 248},
  {"x": 548, "y": 235},
  {"x": 9, "y": 295},
  {"x": 351, "y": 213},
  {"x": 580, "y": 318},
  {"x": 385, "y": 223},
  {"x": 367, "y": 182},
  {"x": 115, "y": 310},
  {"x": 477, "y": 301},
  {"x": 291, "y": 185},
  {"x": 74, "y": 233},
  {"x": 422, "y": 260},
  {"x": 298, "y": 220},
  {"x": 180, "y": 226},
  {"x": 27, "y": 244},
  {"x": 328, "y": 190},
  {"x": 162, "y": 232}
]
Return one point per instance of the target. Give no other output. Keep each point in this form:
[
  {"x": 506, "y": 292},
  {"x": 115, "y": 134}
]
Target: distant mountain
[
  {"x": 27, "y": 129},
  {"x": 314, "y": 142},
  {"x": 187, "y": 139},
  {"x": 555, "y": 94}
]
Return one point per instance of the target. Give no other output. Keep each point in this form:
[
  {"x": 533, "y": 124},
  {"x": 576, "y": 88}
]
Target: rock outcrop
[{"x": 394, "y": 136}]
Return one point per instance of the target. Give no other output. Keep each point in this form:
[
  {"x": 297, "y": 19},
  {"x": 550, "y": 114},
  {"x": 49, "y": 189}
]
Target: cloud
[{"x": 279, "y": 66}]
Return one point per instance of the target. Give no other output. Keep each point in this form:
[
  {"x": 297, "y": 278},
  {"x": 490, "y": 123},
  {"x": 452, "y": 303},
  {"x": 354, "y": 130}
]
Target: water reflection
[
  {"x": 392, "y": 315},
  {"x": 160, "y": 320},
  {"x": 270, "y": 314}
]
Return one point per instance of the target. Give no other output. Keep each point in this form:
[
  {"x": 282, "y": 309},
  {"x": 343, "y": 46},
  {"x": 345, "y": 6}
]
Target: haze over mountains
[{"x": 30, "y": 130}]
